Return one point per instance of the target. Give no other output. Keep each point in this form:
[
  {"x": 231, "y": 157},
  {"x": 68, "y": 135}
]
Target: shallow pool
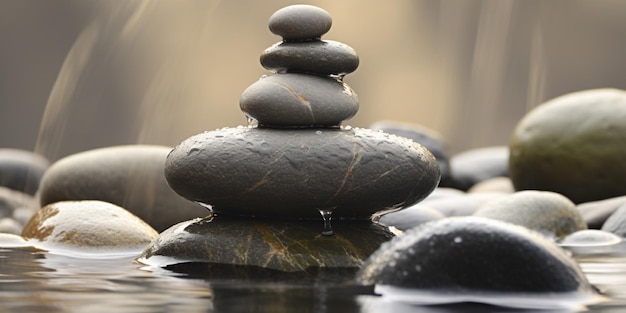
[{"x": 37, "y": 281}]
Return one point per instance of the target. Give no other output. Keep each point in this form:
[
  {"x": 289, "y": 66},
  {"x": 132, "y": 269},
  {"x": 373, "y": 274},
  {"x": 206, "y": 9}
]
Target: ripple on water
[{"x": 570, "y": 301}]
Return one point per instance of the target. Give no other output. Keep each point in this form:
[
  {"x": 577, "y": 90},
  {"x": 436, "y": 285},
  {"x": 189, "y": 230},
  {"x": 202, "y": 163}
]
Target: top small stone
[{"x": 300, "y": 22}]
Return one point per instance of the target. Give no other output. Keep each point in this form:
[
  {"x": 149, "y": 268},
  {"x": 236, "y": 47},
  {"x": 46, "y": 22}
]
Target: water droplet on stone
[
  {"x": 458, "y": 239},
  {"x": 252, "y": 122},
  {"x": 327, "y": 217},
  {"x": 206, "y": 206}
]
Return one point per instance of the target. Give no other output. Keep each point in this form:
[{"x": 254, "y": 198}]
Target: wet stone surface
[
  {"x": 430, "y": 139},
  {"x": 88, "y": 224},
  {"x": 295, "y": 173},
  {"x": 282, "y": 245},
  {"x": 464, "y": 254}
]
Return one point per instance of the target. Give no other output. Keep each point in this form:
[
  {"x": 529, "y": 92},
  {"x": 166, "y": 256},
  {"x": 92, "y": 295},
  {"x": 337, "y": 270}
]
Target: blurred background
[{"x": 77, "y": 75}]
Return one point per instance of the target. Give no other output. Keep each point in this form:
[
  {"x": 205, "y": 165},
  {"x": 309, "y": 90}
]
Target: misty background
[{"x": 77, "y": 75}]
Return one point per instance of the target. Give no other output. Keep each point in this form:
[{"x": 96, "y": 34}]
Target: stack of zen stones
[{"x": 270, "y": 185}]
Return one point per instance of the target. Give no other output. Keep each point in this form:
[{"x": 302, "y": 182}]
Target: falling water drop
[{"x": 327, "y": 216}]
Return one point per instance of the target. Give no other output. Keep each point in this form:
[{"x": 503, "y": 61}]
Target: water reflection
[{"x": 35, "y": 281}]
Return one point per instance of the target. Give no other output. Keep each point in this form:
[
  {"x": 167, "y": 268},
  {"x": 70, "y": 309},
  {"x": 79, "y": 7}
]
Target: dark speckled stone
[
  {"x": 294, "y": 173},
  {"x": 318, "y": 57},
  {"x": 276, "y": 245},
  {"x": 465, "y": 254}
]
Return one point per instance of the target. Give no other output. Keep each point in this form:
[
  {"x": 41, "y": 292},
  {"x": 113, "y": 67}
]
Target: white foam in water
[
  {"x": 100, "y": 253},
  {"x": 571, "y": 301}
]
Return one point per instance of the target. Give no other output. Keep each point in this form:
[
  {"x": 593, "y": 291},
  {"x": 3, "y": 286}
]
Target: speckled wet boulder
[
  {"x": 574, "y": 145},
  {"x": 469, "y": 254},
  {"x": 543, "y": 211},
  {"x": 21, "y": 170},
  {"x": 430, "y": 139},
  {"x": 294, "y": 173},
  {"x": 286, "y": 246},
  {"x": 88, "y": 225},
  {"x": 129, "y": 176},
  {"x": 476, "y": 165}
]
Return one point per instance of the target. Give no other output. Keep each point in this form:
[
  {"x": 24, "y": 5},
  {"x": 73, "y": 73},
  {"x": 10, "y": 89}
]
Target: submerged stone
[
  {"x": 129, "y": 176},
  {"x": 468, "y": 254},
  {"x": 543, "y": 211},
  {"x": 299, "y": 100},
  {"x": 573, "y": 145},
  {"x": 252, "y": 244},
  {"x": 296, "y": 173},
  {"x": 87, "y": 225}
]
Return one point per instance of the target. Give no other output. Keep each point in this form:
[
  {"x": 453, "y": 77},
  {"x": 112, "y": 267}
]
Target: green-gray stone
[{"x": 574, "y": 145}]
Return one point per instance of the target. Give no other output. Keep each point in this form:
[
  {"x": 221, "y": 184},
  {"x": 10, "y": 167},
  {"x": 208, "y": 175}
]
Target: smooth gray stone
[
  {"x": 496, "y": 184},
  {"x": 297, "y": 172},
  {"x": 21, "y": 170},
  {"x": 462, "y": 205},
  {"x": 473, "y": 166},
  {"x": 323, "y": 57},
  {"x": 470, "y": 254},
  {"x": 595, "y": 213},
  {"x": 544, "y": 211},
  {"x": 300, "y": 22},
  {"x": 298, "y": 100},
  {"x": 128, "y": 176},
  {"x": 616, "y": 223}
]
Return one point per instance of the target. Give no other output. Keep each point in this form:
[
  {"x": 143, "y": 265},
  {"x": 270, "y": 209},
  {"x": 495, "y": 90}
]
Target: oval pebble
[
  {"x": 300, "y": 22},
  {"x": 318, "y": 57},
  {"x": 298, "y": 100}
]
